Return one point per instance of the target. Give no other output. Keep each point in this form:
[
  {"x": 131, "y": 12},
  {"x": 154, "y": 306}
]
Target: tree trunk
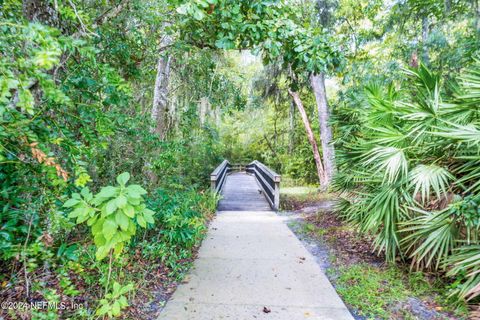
[
  {"x": 447, "y": 7},
  {"x": 425, "y": 56},
  {"x": 291, "y": 129},
  {"x": 203, "y": 110},
  {"x": 160, "y": 93},
  {"x": 40, "y": 11},
  {"x": 160, "y": 100},
  {"x": 311, "y": 139},
  {"x": 476, "y": 7},
  {"x": 318, "y": 84}
]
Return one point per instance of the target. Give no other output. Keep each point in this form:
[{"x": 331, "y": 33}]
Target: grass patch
[
  {"x": 370, "y": 290},
  {"x": 293, "y": 198},
  {"x": 383, "y": 292}
]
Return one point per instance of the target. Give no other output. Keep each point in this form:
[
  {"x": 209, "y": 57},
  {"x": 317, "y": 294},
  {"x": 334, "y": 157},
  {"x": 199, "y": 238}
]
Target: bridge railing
[
  {"x": 269, "y": 181},
  {"x": 238, "y": 167},
  {"x": 218, "y": 176}
]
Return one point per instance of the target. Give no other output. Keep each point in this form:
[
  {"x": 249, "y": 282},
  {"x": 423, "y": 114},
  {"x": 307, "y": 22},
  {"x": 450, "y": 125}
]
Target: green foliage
[
  {"x": 76, "y": 88},
  {"x": 75, "y": 97},
  {"x": 115, "y": 301},
  {"x": 111, "y": 214},
  {"x": 412, "y": 186},
  {"x": 180, "y": 226},
  {"x": 271, "y": 27},
  {"x": 370, "y": 290},
  {"x": 383, "y": 292}
]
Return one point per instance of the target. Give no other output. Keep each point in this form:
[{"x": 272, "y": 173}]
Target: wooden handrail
[
  {"x": 268, "y": 180},
  {"x": 217, "y": 177}
]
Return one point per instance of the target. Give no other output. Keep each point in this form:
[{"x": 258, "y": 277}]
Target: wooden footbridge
[
  {"x": 251, "y": 265},
  {"x": 251, "y": 187}
]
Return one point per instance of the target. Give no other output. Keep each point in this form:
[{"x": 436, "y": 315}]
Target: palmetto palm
[{"x": 410, "y": 168}]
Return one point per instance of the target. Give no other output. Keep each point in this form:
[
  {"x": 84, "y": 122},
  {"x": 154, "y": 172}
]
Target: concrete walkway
[{"x": 251, "y": 266}]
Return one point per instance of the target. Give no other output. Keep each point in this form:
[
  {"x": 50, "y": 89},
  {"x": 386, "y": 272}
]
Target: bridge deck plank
[{"x": 241, "y": 192}]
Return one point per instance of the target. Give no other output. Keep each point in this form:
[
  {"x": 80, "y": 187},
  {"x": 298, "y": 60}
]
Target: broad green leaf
[
  {"x": 125, "y": 289},
  {"x": 70, "y": 203},
  {"x": 103, "y": 310},
  {"x": 132, "y": 228},
  {"x": 97, "y": 227},
  {"x": 99, "y": 240},
  {"x": 123, "y": 301},
  {"x": 116, "y": 309},
  {"x": 141, "y": 221},
  {"x": 87, "y": 195},
  {"x": 135, "y": 191},
  {"x": 111, "y": 206},
  {"x": 123, "y": 178},
  {"x": 84, "y": 215},
  {"x": 75, "y": 213},
  {"x": 122, "y": 220},
  {"x": 116, "y": 289},
  {"x": 101, "y": 253},
  {"x": 121, "y": 201},
  {"x": 198, "y": 14},
  {"x": 225, "y": 43},
  {"x": 148, "y": 215},
  {"x": 129, "y": 211},
  {"x": 107, "y": 192},
  {"x": 117, "y": 250},
  {"x": 182, "y": 9},
  {"x": 134, "y": 201},
  {"x": 92, "y": 220},
  {"x": 109, "y": 228}
]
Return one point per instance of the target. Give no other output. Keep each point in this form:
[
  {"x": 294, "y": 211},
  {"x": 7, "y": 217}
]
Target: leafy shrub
[
  {"x": 111, "y": 214},
  {"x": 412, "y": 170}
]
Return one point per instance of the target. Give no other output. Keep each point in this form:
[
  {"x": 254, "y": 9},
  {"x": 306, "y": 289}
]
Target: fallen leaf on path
[{"x": 266, "y": 310}]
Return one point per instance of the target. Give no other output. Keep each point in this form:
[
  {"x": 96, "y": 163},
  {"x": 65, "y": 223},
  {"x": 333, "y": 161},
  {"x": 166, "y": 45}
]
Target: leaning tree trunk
[
  {"x": 318, "y": 84},
  {"x": 160, "y": 93},
  {"x": 291, "y": 127},
  {"x": 311, "y": 139}
]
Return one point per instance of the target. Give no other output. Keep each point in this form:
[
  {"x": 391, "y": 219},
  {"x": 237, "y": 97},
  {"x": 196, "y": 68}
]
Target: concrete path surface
[{"x": 251, "y": 266}]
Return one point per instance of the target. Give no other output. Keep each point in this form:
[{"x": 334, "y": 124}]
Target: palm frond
[
  {"x": 388, "y": 136},
  {"x": 470, "y": 174},
  {"x": 430, "y": 237},
  {"x": 390, "y": 160},
  {"x": 426, "y": 178},
  {"x": 470, "y": 83},
  {"x": 384, "y": 212},
  {"x": 469, "y": 134},
  {"x": 466, "y": 259}
]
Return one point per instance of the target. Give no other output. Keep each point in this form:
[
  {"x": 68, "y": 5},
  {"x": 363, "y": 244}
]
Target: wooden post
[
  {"x": 276, "y": 201},
  {"x": 213, "y": 182},
  {"x": 217, "y": 177}
]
